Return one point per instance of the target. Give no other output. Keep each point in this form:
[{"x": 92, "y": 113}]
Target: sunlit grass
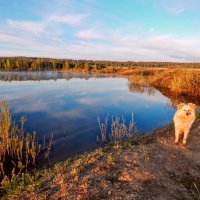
[
  {"x": 18, "y": 150},
  {"x": 118, "y": 130},
  {"x": 186, "y": 82},
  {"x": 180, "y": 82}
]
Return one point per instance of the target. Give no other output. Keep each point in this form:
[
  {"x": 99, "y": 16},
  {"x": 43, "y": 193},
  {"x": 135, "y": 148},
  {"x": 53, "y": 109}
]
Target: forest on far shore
[{"x": 33, "y": 64}]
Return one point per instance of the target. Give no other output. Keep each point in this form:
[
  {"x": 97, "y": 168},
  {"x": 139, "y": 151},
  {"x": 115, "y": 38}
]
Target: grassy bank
[
  {"x": 140, "y": 167},
  {"x": 146, "y": 167},
  {"x": 176, "y": 81}
]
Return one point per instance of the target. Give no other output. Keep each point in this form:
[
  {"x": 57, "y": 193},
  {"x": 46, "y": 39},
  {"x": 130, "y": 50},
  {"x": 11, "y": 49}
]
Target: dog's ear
[
  {"x": 180, "y": 105},
  {"x": 192, "y": 105}
]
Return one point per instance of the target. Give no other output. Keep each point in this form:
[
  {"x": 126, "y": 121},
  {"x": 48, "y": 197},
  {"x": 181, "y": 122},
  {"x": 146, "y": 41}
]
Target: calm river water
[{"x": 68, "y": 105}]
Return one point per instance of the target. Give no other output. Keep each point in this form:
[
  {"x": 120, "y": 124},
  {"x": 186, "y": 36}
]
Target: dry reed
[
  {"x": 18, "y": 150},
  {"x": 177, "y": 81},
  {"x": 118, "y": 131}
]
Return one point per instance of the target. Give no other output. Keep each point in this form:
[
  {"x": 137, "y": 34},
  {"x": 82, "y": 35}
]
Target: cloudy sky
[{"x": 135, "y": 30}]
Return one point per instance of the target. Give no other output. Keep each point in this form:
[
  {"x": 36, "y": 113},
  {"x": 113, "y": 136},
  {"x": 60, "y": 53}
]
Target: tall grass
[
  {"x": 186, "y": 82},
  {"x": 179, "y": 82},
  {"x": 118, "y": 130},
  {"x": 18, "y": 150},
  {"x": 138, "y": 79}
]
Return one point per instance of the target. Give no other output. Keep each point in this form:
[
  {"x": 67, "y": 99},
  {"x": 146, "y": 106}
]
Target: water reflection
[
  {"x": 47, "y": 75},
  {"x": 134, "y": 87},
  {"x": 173, "y": 99},
  {"x": 69, "y": 106}
]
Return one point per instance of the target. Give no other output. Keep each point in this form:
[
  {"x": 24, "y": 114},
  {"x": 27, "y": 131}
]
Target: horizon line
[{"x": 100, "y": 60}]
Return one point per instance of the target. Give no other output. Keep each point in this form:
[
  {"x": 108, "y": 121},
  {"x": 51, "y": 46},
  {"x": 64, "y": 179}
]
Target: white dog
[{"x": 183, "y": 120}]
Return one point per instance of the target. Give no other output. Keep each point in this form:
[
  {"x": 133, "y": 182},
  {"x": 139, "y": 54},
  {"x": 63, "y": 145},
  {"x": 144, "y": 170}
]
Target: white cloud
[
  {"x": 8, "y": 37},
  {"x": 177, "y": 10},
  {"x": 177, "y": 7},
  {"x": 89, "y": 34},
  {"x": 30, "y": 26},
  {"x": 115, "y": 45},
  {"x": 71, "y": 19},
  {"x": 50, "y": 37}
]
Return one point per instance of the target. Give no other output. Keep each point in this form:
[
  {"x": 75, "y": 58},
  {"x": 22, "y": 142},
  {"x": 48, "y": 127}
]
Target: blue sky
[{"x": 124, "y": 30}]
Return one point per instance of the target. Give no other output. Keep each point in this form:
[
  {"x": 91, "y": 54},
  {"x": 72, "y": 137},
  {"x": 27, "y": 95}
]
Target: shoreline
[
  {"x": 60, "y": 180},
  {"x": 181, "y": 82},
  {"x": 145, "y": 167},
  {"x": 145, "y": 78}
]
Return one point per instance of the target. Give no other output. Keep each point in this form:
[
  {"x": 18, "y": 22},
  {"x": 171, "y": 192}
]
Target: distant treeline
[{"x": 33, "y": 64}]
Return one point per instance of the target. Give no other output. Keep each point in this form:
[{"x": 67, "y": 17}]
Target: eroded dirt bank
[{"x": 149, "y": 167}]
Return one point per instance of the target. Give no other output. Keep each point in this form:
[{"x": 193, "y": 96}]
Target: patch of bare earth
[{"x": 152, "y": 169}]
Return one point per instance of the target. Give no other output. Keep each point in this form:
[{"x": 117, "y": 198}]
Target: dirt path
[
  {"x": 175, "y": 169},
  {"x": 149, "y": 168}
]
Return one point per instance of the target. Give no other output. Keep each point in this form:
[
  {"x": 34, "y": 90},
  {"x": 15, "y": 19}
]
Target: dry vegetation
[
  {"x": 119, "y": 130},
  {"x": 177, "y": 81},
  {"x": 146, "y": 167},
  {"x": 18, "y": 150}
]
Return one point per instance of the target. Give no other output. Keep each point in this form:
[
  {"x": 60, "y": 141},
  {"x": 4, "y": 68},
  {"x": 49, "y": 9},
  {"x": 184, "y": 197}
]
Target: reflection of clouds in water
[
  {"x": 69, "y": 109},
  {"x": 30, "y": 106},
  {"x": 157, "y": 98},
  {"x": 140, "y": 98},
  {"x": 98, "y": 85},
  {"x": 147, "y": 106},
  {"x": 89, "y": 101},
  {"x": 72, "y": 113},
  {"x": 58, "y": 96},
  {"x": 52, "y": 99},
  {"x": 81, "y": 94},
  {"x": 76, "y": 86},
  {"x": 63, "y": 99}
]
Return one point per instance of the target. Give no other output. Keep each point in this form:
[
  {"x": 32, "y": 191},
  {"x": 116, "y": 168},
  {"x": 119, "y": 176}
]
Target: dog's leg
[
  {"x": 177, "y": 133},
  {"x": 186, "y": 132}
]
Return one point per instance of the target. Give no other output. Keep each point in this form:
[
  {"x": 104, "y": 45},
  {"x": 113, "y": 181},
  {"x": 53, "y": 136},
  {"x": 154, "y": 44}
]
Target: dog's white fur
[{"x": 183, "y": 120}]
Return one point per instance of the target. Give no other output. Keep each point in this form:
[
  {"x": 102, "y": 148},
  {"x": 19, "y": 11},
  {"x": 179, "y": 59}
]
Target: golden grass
[
  {"x": 184, "y": 82},
  {"x": 118, "y": 129},
  {"x": 138, "y": 79},
  {"x": 18, "y": 150},
  {"x": 180, "y": 82}
]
